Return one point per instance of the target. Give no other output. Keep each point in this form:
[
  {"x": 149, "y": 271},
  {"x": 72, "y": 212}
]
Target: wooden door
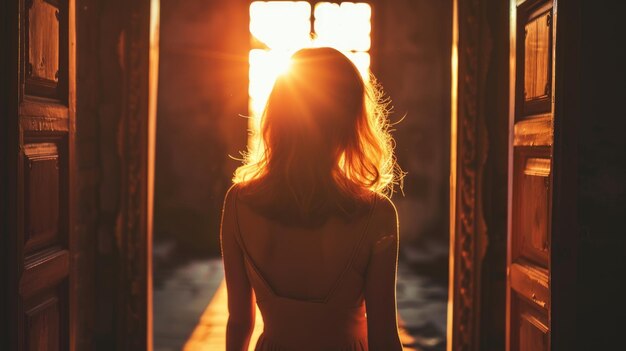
[
  {"x": 39, "y": 138},
  {"x": 530, "y": 170}
]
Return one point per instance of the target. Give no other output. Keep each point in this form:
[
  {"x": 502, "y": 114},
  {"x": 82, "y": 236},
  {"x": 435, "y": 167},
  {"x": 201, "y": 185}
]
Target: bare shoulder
[
  {"x": 384, "y": 210},
  {"x": 230, "y": 194},
  {"x": 385, "y": 206},
  {"x": 230, "y": 197},
  {"x": 238, "y": 194},
  {"x": 384, "y": 219}
]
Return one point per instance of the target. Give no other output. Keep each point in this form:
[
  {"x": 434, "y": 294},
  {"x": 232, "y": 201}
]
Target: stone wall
[
  {"x": 202, "y": 93},
  {"x": 412, "y": 59},
  {"x": 202, "y": 90}
]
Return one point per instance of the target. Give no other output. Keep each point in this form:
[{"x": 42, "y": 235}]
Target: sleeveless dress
[{"x": 336, "y": 322}]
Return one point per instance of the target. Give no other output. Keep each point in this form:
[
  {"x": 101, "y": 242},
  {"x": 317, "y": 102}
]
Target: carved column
[
  {"x": 138, "y": 47},
  {"x": 468, "y": 154}
]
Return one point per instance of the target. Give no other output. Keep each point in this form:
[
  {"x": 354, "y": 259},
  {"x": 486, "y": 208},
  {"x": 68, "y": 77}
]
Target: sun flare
[{"x": 280, "y": 28}]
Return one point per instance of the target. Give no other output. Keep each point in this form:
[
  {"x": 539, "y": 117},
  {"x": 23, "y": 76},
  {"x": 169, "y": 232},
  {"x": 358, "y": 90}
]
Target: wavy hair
[{"x": 325, "y": 140}]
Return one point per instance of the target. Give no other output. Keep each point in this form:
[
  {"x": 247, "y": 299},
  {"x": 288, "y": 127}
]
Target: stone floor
[
  {"x": 190, "y": 309},
  {"x": 180, "y": 299}
]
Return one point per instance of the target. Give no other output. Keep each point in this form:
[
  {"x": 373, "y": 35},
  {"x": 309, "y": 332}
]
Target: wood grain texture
[
  {"x": 530, "y": 332},
  {"x": 530, "y": 192},
  {"x": 468, "y": 228},
  {"x": 43, "y": 39},
  {"x": 537, "y": 131},
  {"x": 537, "y": 57},
  {"x": 43, "y": 326},
  {"x": 42, "y": 198},
  {"x": 531, "y": 282},
  {"x": 531, "y": 204},
  {"x": 44, "y": 270},
  {"x": 42, "y": 242},
  {"x": 534, "y": 31},
  {"x": 533, "y": 334},
  {"x": 135, "y": 142}
]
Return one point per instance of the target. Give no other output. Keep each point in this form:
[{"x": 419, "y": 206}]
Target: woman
[{"x": 307, "y": 231}]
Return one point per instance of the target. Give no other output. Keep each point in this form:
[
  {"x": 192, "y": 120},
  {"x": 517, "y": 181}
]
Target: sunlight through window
[
  {"x": 280, "y": 28},
  {"x": 344, "y": 27}
]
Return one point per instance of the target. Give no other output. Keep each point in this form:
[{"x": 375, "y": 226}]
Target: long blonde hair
[{"x": 325, "y": 139}]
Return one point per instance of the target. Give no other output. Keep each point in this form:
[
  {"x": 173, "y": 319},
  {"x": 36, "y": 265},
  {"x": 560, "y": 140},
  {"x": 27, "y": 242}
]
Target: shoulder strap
[
  {"x": 365, "y": 231},
  {"x": 238, "y": 231},
  {"x": 355, "y": 251},
  {"x": 242, "y": 245}
]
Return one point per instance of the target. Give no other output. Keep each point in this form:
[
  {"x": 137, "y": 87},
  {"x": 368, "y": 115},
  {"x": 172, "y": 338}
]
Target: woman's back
[
  {"x": 311, "y": 283},
  {"x": 299, "y": 261}
]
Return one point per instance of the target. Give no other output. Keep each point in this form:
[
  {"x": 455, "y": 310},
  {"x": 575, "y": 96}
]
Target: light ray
[{"x": 280, "y": 28}]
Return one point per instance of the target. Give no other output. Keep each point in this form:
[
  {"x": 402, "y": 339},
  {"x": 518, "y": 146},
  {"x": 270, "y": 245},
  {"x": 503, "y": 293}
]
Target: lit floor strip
[{"x": 210, "y": 333}]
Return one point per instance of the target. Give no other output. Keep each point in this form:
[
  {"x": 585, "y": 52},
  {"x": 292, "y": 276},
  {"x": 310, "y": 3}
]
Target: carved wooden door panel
[
  {"x": 41, "y": 139},
  {"x": 530, "y": 185}
]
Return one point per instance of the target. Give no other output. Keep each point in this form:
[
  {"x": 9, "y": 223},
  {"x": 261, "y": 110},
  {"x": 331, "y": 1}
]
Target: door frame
[
  {"x": 469, "y": 147},
  {"x": 468, "y": 153},
  {"x": 137, "y": 135}
]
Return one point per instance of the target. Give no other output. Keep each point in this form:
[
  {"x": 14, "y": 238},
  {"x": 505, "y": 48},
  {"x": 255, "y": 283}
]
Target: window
[{"x": 280, "y": 28}]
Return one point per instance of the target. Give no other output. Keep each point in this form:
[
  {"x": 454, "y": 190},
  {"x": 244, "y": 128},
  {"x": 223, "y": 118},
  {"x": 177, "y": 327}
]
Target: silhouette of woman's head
[{"x": 324, "y": 136}]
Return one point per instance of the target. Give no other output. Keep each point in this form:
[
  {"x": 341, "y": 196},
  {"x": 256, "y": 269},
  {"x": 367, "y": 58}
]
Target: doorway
[{"x": 211, "y": 55}]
